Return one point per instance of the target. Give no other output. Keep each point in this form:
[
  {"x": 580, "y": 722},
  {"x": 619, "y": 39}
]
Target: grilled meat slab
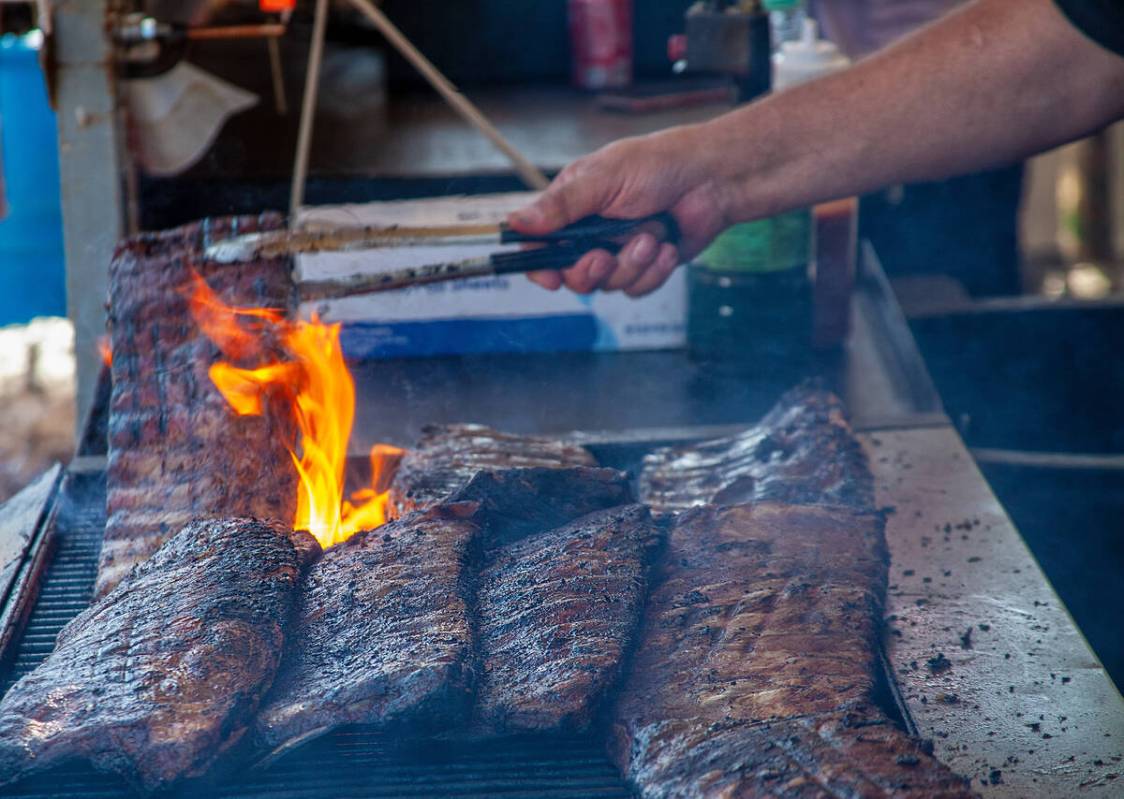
[
  {"x": 758, "y": 653},
  {"x": 828, "y": 756},
  {"x": 447, "y": 456},
  {"x": 557, "y": 611},
  {"x": 176, "y": 450},
  {"x": 802, "y": 452},
  {"x": 157, "y": 679},
  {"x": 382, "y": 632},
  {"x": 512, "y": 503},
  {"x": 760, "y": 612}
]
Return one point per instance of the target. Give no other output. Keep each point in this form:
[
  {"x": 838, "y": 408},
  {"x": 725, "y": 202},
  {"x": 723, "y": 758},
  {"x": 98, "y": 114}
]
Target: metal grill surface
[{"x": 350, "y": 762}]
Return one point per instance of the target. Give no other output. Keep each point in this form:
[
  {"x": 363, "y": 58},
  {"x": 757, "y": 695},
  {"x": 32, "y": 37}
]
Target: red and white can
[{"x": 601, "y": 40}]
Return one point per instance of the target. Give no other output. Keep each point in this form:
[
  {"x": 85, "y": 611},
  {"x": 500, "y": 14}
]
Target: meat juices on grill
[
  {"x": 802, "y": 452},
  {"x": 381, "y": 632},
  {"x": 757, "y": 660},
  {"x": 177, "y": 451},
  {"x": 162, "y": 675},
  {"x": 512, "y": 503},
  {"x": 447, "y": 456},
  {"x": 556, "y": 613}
]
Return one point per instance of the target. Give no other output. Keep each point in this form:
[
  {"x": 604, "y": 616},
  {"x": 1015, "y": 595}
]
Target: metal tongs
[{"x": 557, "y": 250}]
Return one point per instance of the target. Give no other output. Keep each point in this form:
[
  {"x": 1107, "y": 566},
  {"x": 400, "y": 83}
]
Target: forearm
[{"x": 991, "y": 84}]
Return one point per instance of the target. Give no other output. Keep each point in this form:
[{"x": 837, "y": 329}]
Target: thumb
[{"x": 566, "y": 200}]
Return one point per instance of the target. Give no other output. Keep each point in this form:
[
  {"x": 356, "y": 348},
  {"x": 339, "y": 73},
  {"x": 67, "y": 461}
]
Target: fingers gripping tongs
[{"x": 556, "y": 250}]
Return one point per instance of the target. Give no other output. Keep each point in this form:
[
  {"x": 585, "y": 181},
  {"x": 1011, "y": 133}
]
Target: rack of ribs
[
  {"x": 802, "y": 452},
  {"x": 756, "y": 665},
  {"x": 382, "y": 633},
  {"x": 176, "y": 450},
  {"x": 447, "y": 456},
  {"x": 556, "y": 614},
  {"x": 513, "y": 503},
  {"x": 162, "y": 675}
]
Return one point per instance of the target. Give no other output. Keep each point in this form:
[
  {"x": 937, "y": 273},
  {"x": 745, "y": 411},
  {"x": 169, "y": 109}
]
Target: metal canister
[{"x": 601, "y": 42}]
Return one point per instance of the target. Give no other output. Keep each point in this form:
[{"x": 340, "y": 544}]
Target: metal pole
[
  {"x": 308, "y": 110},
  {"x": 89, "y": 173},
  {"x": 277, "y": 75},
  {"x": 531, "y": 174}
]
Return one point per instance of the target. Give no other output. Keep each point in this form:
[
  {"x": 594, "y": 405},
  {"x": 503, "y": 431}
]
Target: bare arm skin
[{"x": 990, "y": 84}]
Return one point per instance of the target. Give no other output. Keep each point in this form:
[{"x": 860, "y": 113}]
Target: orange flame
[
  {"x": 105, "y": 350},
  {"x": 317, "y": 388}
]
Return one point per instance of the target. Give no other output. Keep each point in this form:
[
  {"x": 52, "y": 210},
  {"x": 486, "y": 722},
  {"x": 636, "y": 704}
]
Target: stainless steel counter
[{"x": 1023, "y": 706}]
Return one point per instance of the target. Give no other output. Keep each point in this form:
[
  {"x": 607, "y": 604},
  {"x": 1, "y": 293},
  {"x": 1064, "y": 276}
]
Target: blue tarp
[{"x": 32, "y": 264}]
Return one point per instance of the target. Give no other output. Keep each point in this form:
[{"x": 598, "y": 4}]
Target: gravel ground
[{"x": 36, "y": 400}]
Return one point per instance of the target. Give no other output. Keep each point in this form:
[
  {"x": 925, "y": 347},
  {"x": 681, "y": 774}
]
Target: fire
[
  {"x": 315, "y": 385},
  {"x": 105, "y": 351}
]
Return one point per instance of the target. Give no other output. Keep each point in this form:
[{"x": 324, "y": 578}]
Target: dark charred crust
[
  {"x": 513, "y": 503},
  {"x": 557, "y": 613},
  {"x": 802, "y": 452},
  {"x": 446, "y": 457},
  {"x": 176, "y": 450},
  {"x": 162, "y": 675},
  {"x": 382, "y": 634},
  {"x": 307, "y": 547},
  {"x": 755, "y": 670}
]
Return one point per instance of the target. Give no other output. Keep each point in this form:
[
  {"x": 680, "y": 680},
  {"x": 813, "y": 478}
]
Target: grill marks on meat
[
  {"x": 766, "y": 611},
  {"x": 176, "y": 450},
  {"x": 802, "y": 452},
  {"x": 447, "y": 456},
  {"x": 157, "y": 679},
  {"x": 382, "y": 632},
  {"x": 756, "y": 664},
  {"x": 557, "y": 612}
]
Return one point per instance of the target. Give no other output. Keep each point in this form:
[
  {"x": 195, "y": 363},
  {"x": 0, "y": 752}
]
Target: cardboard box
[{"x": 496, "y": 314}]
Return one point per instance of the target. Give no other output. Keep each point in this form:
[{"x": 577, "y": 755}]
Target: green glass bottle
[{"x": 750, "y": 295}]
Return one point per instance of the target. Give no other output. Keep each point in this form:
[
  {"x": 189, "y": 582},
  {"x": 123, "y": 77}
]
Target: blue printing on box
[{"x": 566, "y": 333}]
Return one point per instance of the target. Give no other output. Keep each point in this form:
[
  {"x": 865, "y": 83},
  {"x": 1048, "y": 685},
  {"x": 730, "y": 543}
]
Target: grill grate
[
  {"x": 68, "y": 585},
  {"x": 350, "y": 762}
]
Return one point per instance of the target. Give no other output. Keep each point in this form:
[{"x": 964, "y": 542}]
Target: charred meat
[
  {"x": 761, "y": 612},
  {"x": 761, "y": 634},
  {"x": 176, "y": 451},
  {"x": 447, "y": 456},
  {"x": 855, "y": 754},
  {"x": 802, "y": 452},
  {"x": 382, "y": 632},
  {"x": 512, "y": 503},
  {"x": 557, "y": 612},
  {"x": 161, "y": 676}
]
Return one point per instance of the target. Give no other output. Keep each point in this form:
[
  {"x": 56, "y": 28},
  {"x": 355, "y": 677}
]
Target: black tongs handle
[
  {"x": 555, "y": 256},
  {"x": 597, "y": 229}
]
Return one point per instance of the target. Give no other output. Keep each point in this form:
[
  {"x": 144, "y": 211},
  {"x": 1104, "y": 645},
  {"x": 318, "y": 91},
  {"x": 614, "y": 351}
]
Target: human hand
[{"x": 629, "y": 179}]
